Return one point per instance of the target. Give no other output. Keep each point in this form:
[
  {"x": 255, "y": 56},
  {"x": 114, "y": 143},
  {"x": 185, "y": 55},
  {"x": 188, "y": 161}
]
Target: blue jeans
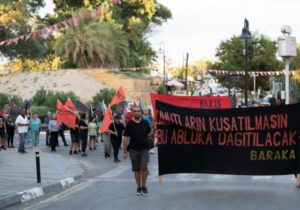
[{"x": 22, "y": 137}]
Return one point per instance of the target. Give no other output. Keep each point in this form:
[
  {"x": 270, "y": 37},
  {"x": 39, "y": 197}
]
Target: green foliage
[
  {"x": 160, "y": 89},
  {"x": 134, "y": 17},
  {"x": 17, "y": 100},
  {"x": 14, "y": 21},
  {"x": 49, "y": 98},
  {"x": 6, "y": 99},
  {"x": 41, "y": 110},
  {"x": 93, "y": 44},
  {"x": 261, "y": 54},
  {"x": 105, "y": 94},
  {"x": 295, "y": 62},
  {"x": 295, "y": 91}
]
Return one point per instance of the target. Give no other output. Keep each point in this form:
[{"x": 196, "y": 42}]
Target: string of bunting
[
  {"x": 53, "y": 29},
  {"x": 250, "y": 73}
]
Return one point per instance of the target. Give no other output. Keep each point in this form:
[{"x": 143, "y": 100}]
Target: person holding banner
[
  {"x": 116, "y": 130},
  {"x": 83, "y": 130},
  {"x": 136, "y": 143}
]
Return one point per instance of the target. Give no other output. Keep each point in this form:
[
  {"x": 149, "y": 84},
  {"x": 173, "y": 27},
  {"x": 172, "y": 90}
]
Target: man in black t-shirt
[
  {"x": 136, "y": 143},
  {"x": 116, "y": 130}
]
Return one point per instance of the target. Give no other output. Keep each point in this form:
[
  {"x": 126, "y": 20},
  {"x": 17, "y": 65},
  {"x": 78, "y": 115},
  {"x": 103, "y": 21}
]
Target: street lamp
[
  {"x": 246, "y": 35},
  {"x": 162, "y": 49},
  {"x": 287, "y": 48}
]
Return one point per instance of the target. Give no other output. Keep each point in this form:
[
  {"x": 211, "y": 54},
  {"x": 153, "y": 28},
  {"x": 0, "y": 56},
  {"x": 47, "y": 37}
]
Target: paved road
[{"x": 110, "y": 186}]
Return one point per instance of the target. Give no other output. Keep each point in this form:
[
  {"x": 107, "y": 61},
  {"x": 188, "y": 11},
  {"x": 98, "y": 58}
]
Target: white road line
[
  {"x": 114, "y": 172},
  {"x": 261, "y": 177},
  {"x": 221, "y": 176},
  {"x": 185, "y": 176}
]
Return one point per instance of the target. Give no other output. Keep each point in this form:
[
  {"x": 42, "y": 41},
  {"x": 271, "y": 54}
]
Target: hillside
[
  {"x": 84, "y": 83},
  {"x": 26, "y": 84}
]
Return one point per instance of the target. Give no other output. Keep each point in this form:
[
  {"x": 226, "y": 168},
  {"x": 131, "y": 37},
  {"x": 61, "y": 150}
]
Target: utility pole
[{"x": 186, "y": 73}]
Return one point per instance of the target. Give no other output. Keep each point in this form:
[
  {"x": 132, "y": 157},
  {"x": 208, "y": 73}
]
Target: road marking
[
  {"x": 185, "y": 176},
  {"x": 114, "y": 172},
  {"x": 261, "y": 177},
  {"x": 221, "y": 176},
  {"x": 32, "y": 193}
]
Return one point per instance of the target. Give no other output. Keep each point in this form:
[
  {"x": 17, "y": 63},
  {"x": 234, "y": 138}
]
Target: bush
[
  {"x": 105, "y": 94},
  {"x": 6, "y": 98},
  {"x": 48, "y": 98},
  {"x": 160, "y": 89},
  {"x": 41, "y": 110}
]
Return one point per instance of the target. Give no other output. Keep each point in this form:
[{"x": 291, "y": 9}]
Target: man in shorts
[{"x": 136, "y": 143}]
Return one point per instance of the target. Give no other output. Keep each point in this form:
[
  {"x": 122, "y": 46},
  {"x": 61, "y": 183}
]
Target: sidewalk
[{"x": 18, "y": 178}]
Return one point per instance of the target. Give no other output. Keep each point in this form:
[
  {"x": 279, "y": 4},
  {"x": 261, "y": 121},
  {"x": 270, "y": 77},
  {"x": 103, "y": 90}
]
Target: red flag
[
  {"x": 107, "y": 120},
  {"x": 119, "y": 96},
  {"x": 70, "y": 105},
  {"x": 70, "y": 113},
  {"x": 60, "y": 109}
]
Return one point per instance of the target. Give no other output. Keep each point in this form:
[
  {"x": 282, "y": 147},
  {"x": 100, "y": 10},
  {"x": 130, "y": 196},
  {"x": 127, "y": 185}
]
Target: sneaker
[
  {"x": 66, "y": 145},
  {"x": 138, "y": 191},
  {"x": 144, "y": 191},
  {"x": 70, "y": 152},
  {"x": 84, "y": 155},
  {"x": 3, "y": 147}
]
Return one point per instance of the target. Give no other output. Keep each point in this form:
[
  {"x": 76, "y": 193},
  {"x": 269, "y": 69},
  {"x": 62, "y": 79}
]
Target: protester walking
[
  {"x": 53, "y": 129},
  {"x": 147, "y": 115},
  {"x": 35, "y": 127},
  {"x": 74, "y": 133},
  {"x": 92, "y": 133},
  {"x": 46, "y": 121},
  {"x": 2, "y": 131},
  {"x": 62, "y": 134},
  {"x": 10, "y": 131},
  {"x": 83, "y": 130},
  {"x": 136, "y": 143},
  {"x": 107, "y": 144},
  {"x": 116, "y": 130},
  {"x": 22, "y": 123}
]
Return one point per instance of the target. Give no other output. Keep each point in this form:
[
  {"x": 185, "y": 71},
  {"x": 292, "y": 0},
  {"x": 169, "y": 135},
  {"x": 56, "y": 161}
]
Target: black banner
[{"x": 247, "y": 141}]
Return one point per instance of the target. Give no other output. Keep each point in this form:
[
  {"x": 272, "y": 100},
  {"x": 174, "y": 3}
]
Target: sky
[{"x": 198, "y": 26}]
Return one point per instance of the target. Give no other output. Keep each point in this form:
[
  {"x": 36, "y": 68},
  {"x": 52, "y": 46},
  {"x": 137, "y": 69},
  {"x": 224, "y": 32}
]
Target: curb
[{"x": 36, "y": 192}]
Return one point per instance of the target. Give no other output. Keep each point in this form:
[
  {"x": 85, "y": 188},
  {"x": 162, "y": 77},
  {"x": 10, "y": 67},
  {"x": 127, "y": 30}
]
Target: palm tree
[{"x": 94, "y": 44}]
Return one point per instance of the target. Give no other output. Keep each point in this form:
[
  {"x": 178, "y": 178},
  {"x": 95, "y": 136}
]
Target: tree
[
  {"x": 295, "y": 62},
  {"x": 18, "y": 18},
  {"x": 48, "y": 98},
  {"x": 93, "y": 44},
  {"x": 261, "y": 54},
  {"x": 135, "y": 18},
  {"x": 105, "y": 95}
]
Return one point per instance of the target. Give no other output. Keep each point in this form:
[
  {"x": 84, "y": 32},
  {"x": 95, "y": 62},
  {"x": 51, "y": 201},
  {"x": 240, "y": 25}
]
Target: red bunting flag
[{"x": 118, "y": 97}]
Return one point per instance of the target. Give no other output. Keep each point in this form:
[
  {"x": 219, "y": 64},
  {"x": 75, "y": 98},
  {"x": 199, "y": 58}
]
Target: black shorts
[
  {"x": 139, "y": 160},
  {"x": 2, "y": 134},
  {"x": 74, "y": 137}
]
